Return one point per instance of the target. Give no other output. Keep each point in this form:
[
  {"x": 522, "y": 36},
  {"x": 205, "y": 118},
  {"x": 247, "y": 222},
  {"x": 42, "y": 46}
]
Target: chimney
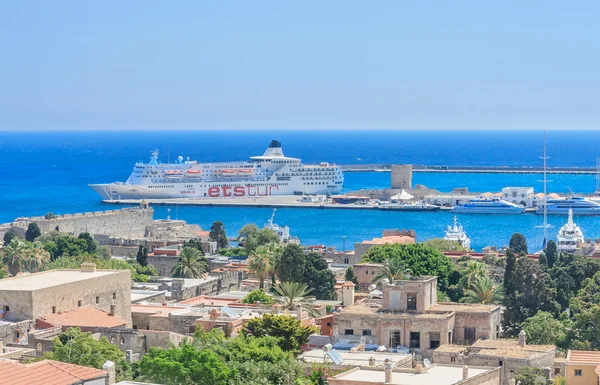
[
  {"x": 522, "y": 339},
  {"x": 112, "y": 309},
  {"x": 88, "y": 267},
  {"x": 387, "y": 367},
  {"x": 465, "y": 373},
  {"x": 109, "y": 367}
]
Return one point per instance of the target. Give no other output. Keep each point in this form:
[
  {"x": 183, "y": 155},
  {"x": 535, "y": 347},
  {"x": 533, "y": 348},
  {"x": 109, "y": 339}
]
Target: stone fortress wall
[{"x": 127, "y": 223}]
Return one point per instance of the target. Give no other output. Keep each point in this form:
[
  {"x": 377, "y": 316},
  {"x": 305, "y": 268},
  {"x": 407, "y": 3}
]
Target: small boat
[
  {"x": 488, "y": 206},
  {"x": 228, "y": 171},
  {"x": 246, "y": 171},
  {"x": 194, "y": 171}
]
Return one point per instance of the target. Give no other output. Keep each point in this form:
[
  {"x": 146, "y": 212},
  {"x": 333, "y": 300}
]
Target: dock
[
  {"x": 285, "y": 201},
  {"x": 470, "y": 169}
]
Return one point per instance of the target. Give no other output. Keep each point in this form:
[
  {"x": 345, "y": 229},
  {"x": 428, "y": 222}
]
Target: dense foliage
[
  {"x": 419, "y": 258},
  {"x": 217, "y": 234},
  {"x": 311, "y": 269},
  {"x": 258, "y": 296},
  {"x": 251, "y": 237},
  {"x": 76, "y": 347},
  {"x": 290, "y": 333},
  {"x": 441, "y": 244}
]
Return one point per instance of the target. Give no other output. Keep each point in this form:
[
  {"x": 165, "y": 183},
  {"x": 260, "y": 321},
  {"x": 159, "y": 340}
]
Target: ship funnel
[{"x": 274, "y": 149}]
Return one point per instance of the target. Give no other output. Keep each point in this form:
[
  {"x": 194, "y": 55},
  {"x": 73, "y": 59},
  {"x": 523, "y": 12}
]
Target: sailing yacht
[{"x": 569, "y": 237}]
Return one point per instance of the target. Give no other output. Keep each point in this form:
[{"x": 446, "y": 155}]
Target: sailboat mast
[
  {"x": 545, "y": 158},
  {"x": 597, "y": 175}
]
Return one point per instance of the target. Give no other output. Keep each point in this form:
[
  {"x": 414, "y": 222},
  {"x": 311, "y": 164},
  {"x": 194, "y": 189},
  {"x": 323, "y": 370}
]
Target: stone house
[
  {"x": 509, "y": 355},
  {"x": 410, "y": 316}
]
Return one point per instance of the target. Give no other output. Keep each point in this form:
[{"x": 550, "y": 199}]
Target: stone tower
[{"x": 402, "y": 176}]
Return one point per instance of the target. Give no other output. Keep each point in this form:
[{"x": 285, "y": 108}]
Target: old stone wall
[
  {"x": 215, "y": 284},
  {"x": 15, "y": 332},
  {"x": 139, "y": 341},
  {"x": 163, "y": 263},
  {"x": 126, "y": 223}
]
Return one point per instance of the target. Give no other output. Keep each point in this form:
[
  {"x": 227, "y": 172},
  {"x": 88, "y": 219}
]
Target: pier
[{"x": 469, "y": 169}]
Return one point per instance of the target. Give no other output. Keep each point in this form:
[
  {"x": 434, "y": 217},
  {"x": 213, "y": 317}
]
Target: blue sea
[{"x": 50, "y": 171}]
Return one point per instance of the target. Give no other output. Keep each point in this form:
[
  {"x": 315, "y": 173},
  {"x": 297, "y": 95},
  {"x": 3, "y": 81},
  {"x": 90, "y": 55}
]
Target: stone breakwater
[{"x": 124, "y": 223}]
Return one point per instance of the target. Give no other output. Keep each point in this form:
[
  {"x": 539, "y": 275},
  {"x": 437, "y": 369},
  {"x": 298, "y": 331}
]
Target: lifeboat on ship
[
  {"x": 228, "y": 171},
  {"x": 246, "y": 171},
  {"x": 194, "y": 172},
  {"x": 173, "y": 173}
]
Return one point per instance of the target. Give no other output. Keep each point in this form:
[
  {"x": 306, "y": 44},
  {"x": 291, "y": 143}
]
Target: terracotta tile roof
[
  {"x": 583, "y": 357},
  {"x": 86, "y": 316},
  {"x": 46, "y": 372},
  {"x": 403, "y": 240}
]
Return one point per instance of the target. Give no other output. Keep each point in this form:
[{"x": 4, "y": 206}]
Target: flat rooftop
[
  {"x": 436, "y": 375},
  {"x": 51, "y": 278},
  {"x": 355, "y": 358}
]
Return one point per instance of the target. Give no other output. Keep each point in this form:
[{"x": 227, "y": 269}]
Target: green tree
[
  {"x": 420, "y": 259},
  {"x": 544, "y": 329},
  {"x": 142, "y": 255},
  {"x": 292, "y": 264},
  {"x": 532, "y": 290},
  {"x": 91, "y": 243},
  {"x": 191, "y": 264},
  {"x": 318, "y": 277},
  {"x": 393, "y": 269},
  {"x": 21, "y": 256},
  {"x": 33, "y": 231},
  {"x": 587, "y": 296},
  {"x": 293, "y": 295},
  {"x": 483, "y": 290},
  {"x": 442, "y": 245},
  {"x": 184, "y": 365},
  {"x": 518, "y": 244},
  {"x": 8, "y": 237},
  {"x": 530, "y": 375},
  {"x": 67, "y": 245},
  {"x": 196, "y": 244},
  {"x": 259, "y": 263},
  {"x": 217, "y": 234},
  {"x": 103, "y": 252},
  {"x": 258, "y": 296},
  {"x": 551, "y": 253},
  {"x": 289, "y": 330},
  {"x": 585, "y": 327},
  {"x": 49, "y": 215},
  {"x": 471, "y": 273},
  {"x": 350, "y": 276},
  {"x": 511, "y": 259},
  {"x": 76, "y": 347}
]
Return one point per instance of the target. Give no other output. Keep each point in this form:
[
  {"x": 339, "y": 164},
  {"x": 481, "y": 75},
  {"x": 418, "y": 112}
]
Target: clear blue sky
[{"x": 299, "y": 65}]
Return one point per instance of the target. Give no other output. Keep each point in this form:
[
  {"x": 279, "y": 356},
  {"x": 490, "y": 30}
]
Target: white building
[{"x": 519, "y": 195}]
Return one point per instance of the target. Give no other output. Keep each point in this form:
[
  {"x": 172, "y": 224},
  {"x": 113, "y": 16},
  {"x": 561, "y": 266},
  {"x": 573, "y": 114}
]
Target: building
[
  {"x": 402, "y": 237},
  {"x": 51, "y": 372},
  {"x": 509, "y": 355},
  {"x": 31, "y": 296},
  {"x": 518, "y": 195},
  {"x": 434, "y": 375},
  {"x": 409, "y": 315},
  {"x": 583, "y": 367},
  {"x": 86, "y": 318},
  {"x": 402, "y": 176}
]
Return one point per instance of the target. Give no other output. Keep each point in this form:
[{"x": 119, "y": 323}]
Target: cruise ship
[
  {"x": 579, "y": 205},
  {"x": 488, "y": 206},
  {"x": 269, "y": 174}
]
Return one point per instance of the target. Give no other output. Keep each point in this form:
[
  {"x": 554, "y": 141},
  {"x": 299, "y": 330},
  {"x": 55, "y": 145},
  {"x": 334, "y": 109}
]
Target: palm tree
[
  {"x": 393, "y": 269},
  {"x": 14, "y": 256},
  {"x": 260, "y": 263},
  {"x": 191, "y": 264},
  {"x": 485, "y": 291},
  {"x": 293, "y": 295},
  {"x": 36, "y": 257},
  {"x": 473, "y": 271},
  {"x": 275, "y": 251}
]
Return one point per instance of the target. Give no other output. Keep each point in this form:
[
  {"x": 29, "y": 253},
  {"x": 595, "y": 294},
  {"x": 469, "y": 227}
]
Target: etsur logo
[{"x": 240, "y": 191}]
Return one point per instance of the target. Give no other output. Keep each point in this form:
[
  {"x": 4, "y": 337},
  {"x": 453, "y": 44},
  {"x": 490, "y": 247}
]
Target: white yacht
[
  {"x": 283, "y": 232},
  {"x": 569, "y": 237},
  {"x": 488, "y": 206},
  {"x": 456, "y": 233}
]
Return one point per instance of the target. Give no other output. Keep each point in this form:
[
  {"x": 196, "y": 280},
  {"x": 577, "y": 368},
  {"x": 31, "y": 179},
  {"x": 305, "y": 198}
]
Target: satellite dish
[
  {"x": 327, "y": 347},
  {"x": 372, "y": 287},
  {"x": 427, "y": 363},
  {"x": 385, "y": 281},
  {"x": 180, "y": 158}
]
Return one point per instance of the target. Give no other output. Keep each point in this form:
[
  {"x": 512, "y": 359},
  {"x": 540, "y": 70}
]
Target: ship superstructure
[
  {"x": 569, "y": 237},
  {"x": 457, "y": 234},
  {"x": 269, "y": 174}
]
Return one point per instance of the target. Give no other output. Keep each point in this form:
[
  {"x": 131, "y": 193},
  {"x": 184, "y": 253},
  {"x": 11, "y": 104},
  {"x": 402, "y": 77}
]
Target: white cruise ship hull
[{"x": 118, "y": 191}]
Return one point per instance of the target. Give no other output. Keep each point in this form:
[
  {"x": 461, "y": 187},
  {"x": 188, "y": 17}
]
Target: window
[
  {"x": 348, "y": 332},
  {"x": 191, "y": 329},
  {"x": 415, "y": 340},
  {"x": 328, "y": 323},
  {"x": 114, "y": 295},
  {"x": 135, "y": 326},
  {"x": 6, "y": 308},
  {"x": 395, "y": 338},
  {"x": 578, "y": 372},
  {"x": 366, "y": 332},
  {"x": 97, "y": 300},
  {"x": 452, "y": 359},
  {"x": 434, "y": 340},
  {"x": 557, "y": 371},
  {"x": 411, "y": 301},
  {"x": 122, "y": 340},
  {"x": 53, "y": 309},
  {"x": 470, "y": 335},
  {"x": 79, "y": 303}
]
